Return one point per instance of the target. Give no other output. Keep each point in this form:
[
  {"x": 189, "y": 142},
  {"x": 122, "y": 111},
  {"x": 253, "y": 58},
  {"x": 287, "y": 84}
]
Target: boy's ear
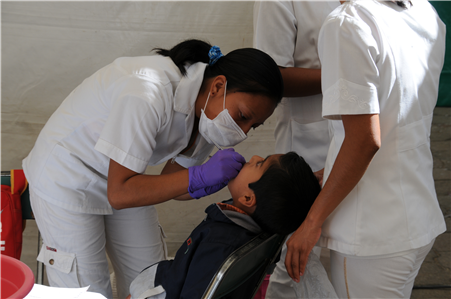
[{"x": 248, "y": 200}]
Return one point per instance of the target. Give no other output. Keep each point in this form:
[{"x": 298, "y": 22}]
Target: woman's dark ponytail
[
  {"x": 189, "y": 51},
  {"x": 246, "y": 70}
]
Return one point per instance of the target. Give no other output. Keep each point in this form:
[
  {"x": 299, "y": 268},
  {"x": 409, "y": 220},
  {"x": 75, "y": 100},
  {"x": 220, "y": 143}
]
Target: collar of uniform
[{"x": 188, "y": 88}]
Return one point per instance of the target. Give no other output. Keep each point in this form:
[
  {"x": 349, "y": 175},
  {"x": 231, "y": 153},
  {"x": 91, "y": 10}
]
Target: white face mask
[{"x": 222, "y": 131}]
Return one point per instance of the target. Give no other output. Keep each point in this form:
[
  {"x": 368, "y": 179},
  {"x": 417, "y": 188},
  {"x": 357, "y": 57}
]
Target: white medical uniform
[
  {"x": 288, "y": 31},
  {"x": 378, "y": 58},
  {"x": 137, "y": 111}
]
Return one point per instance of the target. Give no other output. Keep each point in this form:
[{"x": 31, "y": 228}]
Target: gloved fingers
[
  {"x": 239, "y": 158},
  {"x": 213, "y": 189},
  {"x": 197, "y": 193},
  {"x": 232, "y": 170},
  {"x": 207, "y": 190},
  {"x": 223, "y": 166}
]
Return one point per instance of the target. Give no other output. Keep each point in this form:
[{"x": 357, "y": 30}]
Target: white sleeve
[
  {"x": 275, "y": 30},
  {"x": 130, "y": 131},
  {"x": 350, "y": 77}
]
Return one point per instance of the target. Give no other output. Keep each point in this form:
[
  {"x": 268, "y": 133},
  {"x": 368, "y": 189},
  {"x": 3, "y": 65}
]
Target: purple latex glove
[
  {"x": 219, "y": 170},
  {"x": 207, "y": 191}
]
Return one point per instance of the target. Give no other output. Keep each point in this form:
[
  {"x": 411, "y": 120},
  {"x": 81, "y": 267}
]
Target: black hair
[
  {"x": 284, "y": 194},
  {"x": 246, "y": 70},
  {"x": 402, "y": 3}
]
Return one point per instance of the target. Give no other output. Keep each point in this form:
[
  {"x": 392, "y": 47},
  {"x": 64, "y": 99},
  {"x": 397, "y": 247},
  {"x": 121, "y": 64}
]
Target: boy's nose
[{"x": 255, "y": 159}]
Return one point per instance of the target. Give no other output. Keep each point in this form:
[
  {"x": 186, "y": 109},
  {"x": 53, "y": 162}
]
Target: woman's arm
[
  {"x": 300, "y": 82},
  {"x": 362, "y": 141},
  {"x": 171, "y": 167},
  {"x": 127, "y": 189}
]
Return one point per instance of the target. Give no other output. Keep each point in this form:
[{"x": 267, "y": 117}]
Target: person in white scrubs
[
  {"x": 377, "y": 212},
  {"x": 288, "y": 31},
  {"x": 88, "y": 190}
]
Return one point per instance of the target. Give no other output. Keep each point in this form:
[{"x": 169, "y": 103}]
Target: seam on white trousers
[{"x": 346, "y": 278}]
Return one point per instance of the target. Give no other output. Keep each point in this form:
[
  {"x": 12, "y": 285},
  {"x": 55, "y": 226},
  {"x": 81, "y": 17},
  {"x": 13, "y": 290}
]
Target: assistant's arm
[
  {"x": 362, "y": 141},
  {"x": 300, "y": 82},
  {"x": 275, "y": 32}
]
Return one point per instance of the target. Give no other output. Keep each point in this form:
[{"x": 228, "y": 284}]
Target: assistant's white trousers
[
  {"x": 313, "y": 284},
  {"x": 382, "y": 276},
  {"x": 75, "y": 245}
]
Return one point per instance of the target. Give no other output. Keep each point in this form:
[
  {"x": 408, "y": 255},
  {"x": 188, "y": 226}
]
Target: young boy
[{"x": 272, "y": 195}]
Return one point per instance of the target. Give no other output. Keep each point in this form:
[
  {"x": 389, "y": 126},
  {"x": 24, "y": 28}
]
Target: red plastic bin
[{"x": 17, "y": 278}]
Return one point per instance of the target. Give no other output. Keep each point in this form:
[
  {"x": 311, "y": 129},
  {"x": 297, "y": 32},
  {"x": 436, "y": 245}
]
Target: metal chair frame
[{"x": 257, "y": 257}]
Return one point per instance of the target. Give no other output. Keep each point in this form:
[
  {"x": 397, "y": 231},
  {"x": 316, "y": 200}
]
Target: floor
[{"x": 179, "y": 218}]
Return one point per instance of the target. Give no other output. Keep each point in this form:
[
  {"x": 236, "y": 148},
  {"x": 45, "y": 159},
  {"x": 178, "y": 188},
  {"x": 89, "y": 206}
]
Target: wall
[{"x": 48, "y": 48}]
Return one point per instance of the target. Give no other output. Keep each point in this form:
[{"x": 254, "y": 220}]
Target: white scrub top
[
  {"x": 288, "y": 31},
  {"x": 137, "y": 111},
  {"x": 378, "y": 58}
]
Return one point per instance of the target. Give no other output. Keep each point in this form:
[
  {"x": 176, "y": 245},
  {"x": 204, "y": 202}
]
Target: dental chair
[{"x": 249, "y": 264}]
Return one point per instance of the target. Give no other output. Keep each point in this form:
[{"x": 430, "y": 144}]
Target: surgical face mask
[{"x": 221, "y": 131}]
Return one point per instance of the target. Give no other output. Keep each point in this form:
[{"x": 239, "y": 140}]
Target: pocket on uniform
[{"x": 56, "y": 259}]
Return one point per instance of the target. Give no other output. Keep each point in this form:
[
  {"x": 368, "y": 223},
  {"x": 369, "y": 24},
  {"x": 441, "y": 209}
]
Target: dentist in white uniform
[{"x": 88, "y": 189}]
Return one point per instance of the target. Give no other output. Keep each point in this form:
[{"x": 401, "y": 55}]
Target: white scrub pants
[
  {"x": 75, "y": 245},
  {"x": 384, "y": 276}
]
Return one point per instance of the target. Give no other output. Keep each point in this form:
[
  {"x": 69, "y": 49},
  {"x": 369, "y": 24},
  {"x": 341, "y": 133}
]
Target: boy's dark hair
[
  {"x": 247, "y": 70},
  {"x": 284, "y": 194}
]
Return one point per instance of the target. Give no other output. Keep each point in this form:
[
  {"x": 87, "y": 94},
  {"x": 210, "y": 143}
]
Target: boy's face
[{"x": 251, "y": 172}]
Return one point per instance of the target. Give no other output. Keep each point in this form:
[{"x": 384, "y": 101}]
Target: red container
[{"x": 17, "y": 278}]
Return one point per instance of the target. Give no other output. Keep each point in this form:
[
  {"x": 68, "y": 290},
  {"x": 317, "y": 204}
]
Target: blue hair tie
[{"x": 214, "y": 54}]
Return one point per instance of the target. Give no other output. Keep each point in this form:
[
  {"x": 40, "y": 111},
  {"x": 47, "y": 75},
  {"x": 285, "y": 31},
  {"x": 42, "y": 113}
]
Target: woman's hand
[
  {"x": 361, "y": 142},
  {"x": 319, "y": 176},
  {"x": 214, "y": 174},
  {"x": 299, "y": 247}
]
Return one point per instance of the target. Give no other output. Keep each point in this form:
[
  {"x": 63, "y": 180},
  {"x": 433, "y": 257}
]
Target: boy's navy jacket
[{"x": 198, "y": 259}]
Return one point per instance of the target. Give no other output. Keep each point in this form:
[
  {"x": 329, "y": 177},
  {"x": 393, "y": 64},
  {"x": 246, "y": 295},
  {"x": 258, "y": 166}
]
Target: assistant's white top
[
  {"x": 378, "y": 58},
  {"x": 137, "y": 111},
  {"x": 288, "y": 31}
]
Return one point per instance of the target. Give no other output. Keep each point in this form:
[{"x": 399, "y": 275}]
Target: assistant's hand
[
  {"x": 319, "y": 176},
  {"x": 215, "y": 173},
  {"x": 299, "y": 247}
]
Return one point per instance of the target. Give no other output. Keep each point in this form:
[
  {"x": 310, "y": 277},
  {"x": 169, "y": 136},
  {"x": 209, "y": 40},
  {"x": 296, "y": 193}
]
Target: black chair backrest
[{"x": 249, "y": 263}]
